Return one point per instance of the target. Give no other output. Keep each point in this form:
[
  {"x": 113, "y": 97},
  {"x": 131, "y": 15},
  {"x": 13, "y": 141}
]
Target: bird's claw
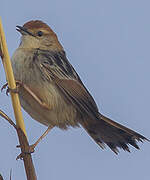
[
  {"x": 20, "y": 156},
  {"x": 1, "y": 54},
  {"x": 30, "y": 150},
  {"x": 16, "y": 90},
  {"x": 4, "y": 87}
]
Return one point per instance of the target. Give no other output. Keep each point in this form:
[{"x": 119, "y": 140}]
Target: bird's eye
[{"x": 39, "y": 33}]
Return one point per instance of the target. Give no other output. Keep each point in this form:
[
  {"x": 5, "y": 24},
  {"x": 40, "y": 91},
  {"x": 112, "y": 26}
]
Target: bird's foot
[
  {"x": 8, "y": 90},
  {"x": 30, "y": 150}
]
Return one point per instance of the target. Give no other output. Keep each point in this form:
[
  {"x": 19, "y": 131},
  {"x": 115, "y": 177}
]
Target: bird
[{"x": 52, "y": 93}]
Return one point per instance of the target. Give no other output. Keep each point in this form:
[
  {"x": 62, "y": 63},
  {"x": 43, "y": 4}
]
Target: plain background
[{"x": 108, "y": 43}]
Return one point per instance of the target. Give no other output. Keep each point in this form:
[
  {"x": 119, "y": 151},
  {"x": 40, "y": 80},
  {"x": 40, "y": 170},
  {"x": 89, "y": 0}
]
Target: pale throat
[{"x": 29, "y": 42}]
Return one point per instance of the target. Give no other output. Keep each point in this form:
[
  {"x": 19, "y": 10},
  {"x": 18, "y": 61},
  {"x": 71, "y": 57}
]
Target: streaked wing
[{"x": 56, "y": 68}]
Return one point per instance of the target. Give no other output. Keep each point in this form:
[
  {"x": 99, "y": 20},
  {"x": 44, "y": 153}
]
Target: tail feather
[{"x": 115, "y": 135}]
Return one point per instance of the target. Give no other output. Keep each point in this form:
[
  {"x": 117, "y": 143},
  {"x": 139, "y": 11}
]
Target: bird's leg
[
  {"x": 27, "y": 89},
  {"x": 32, "y": 147},
  {"x": 40, "y": 138},
  {"x": 35, "y": 97}
]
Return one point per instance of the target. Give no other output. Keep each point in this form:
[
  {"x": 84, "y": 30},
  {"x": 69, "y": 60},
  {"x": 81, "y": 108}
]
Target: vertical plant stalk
[{"x": 22, "y": 135}]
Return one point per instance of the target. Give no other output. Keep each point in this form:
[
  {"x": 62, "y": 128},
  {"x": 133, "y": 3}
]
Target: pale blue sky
[{"x": 108, "y": 43}]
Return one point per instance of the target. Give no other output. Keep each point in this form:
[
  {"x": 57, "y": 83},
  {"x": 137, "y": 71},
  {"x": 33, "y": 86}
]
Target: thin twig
[{"x": 2, "y": 114}]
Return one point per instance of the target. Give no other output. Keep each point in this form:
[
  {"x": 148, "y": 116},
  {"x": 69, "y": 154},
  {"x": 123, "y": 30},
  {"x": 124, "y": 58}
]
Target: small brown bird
[{"x": 52, "y": 93}]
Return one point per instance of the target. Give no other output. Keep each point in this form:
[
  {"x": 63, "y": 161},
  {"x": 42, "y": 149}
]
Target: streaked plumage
[{"x": 40, "y": 63}]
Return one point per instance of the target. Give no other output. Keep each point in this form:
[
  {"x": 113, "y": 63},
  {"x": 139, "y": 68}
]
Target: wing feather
[{"x": 57, "y": 69}]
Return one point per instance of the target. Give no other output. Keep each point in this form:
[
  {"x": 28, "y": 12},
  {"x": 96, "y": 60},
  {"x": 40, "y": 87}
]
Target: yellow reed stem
[{"x": 11, "y": 80}]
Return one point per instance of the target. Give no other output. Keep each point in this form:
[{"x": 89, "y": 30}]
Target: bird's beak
[{"x": 23, "y": 31}]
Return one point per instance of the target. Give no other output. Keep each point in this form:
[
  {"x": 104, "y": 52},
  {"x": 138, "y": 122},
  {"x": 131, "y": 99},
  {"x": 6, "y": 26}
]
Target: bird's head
[{"x": 37, "y": 34}]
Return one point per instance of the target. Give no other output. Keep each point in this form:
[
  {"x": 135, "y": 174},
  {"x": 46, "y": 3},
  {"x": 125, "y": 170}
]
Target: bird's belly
[{"x": 60, "y": 113}]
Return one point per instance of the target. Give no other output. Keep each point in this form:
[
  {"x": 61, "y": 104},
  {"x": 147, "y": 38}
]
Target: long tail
[{"x": 106, "y": 131}]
